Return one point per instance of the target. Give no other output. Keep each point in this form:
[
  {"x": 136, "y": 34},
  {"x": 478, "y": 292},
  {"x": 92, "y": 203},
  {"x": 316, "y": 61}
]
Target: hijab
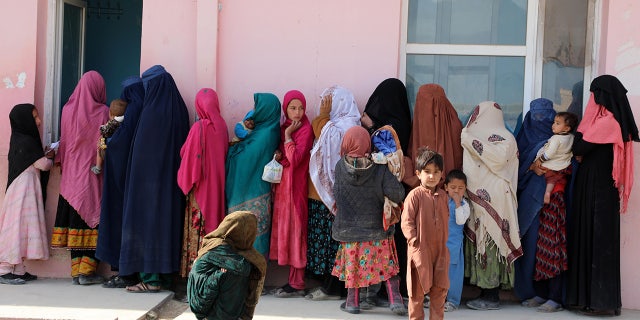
[
  {"x": 389, "y": 105},
  {"x": 81, "y": 118},
  {"x": 325, "y": 154},
  {"x": 305, "y": 131},
  {"x": 535, "y": 131},
  {"x": 356, "y": 143},
  {"x": 25, "y": 145},
  {"x": 608, "y": 119},
  {"x": 203, "y": 157},
  {"x": 436, "y": 125}
]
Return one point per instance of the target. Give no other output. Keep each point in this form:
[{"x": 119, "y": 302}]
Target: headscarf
[
  {"x": 203, "y": 158},
  {"x": 326, "y": 151},
  {"x": 305, "y": 131},
  {"x": 81, "y": 118},
  {"x": 115, "y": 173},
  {"x": 154, "y": 204},
  {"x": 389, "y": 105},
  {"x": 436, "y": 125},
  {"x": 608, "y": 119},
  {"x": 244, "y": 186},
  {"x": 356, "y": 143},
  {"x": 491, "y": 163},
  {"x": 25, "y": 145},
  {"x": 536, "y": 130},
  {"x": 239, "y": 230}
]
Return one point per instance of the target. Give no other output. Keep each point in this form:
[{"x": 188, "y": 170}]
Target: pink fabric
[
  {"x": 598, "y": 125},
  {"x": 356, "y": 143},
  {"x": 290, "y": 211},
  {"x": 203, "y": 159},
  {"x": 81, "y": 118}
]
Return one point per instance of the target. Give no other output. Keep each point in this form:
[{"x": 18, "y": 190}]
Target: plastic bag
[{"x": 272, "y": 171}]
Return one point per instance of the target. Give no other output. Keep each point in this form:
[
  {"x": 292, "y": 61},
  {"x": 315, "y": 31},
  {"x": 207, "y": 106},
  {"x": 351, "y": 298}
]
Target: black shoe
[
  {"x": 116, "y": 282},
  {"x": 28, "y": 277}
]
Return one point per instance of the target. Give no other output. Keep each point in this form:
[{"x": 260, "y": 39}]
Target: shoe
[
  {"x": 96, "y": 170},
  {"x": 318, "y": 294},
  {"x": 28, "y": 276},
  {"x": 533, "y": 302},
  {"x": 287, "y": 291},
  {"x": 75, "y": 280},
  {"x": 550, "y": 306},
  {"x": 427, "y": 302},
  {"x": 354, "y": 310},
  {"x": 90, "y": 279},
  {"x": 143, "y": 288},
  {"x": 399, "y": 309},
  {"x": 10, "y": 278},
  {"x": 483, "y": 304},
  {"x": 598, "y": 313},
  {"x": 449, "y": 306},
  {"x": 116, "y": 282}
]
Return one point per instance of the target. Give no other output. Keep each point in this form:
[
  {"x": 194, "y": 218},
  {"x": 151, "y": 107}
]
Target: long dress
[
  {"x": 23, "y": 234},
  {"x": 244, "y": 188}
]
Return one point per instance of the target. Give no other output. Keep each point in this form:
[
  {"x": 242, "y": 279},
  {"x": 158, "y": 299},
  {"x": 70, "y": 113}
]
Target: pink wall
[{"x": 621, "y": 57}]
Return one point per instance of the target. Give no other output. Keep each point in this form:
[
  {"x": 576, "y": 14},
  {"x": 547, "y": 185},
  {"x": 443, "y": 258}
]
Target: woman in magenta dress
[{"x": 289, "y": 222}]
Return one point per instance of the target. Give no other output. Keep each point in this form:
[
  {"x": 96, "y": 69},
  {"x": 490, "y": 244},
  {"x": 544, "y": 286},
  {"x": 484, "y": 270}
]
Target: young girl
[
  {"x": 456, "y": 185},
  {"x": 289, "y": 222},
  {"x": 367, "y": 253},
  {"x": 22, "y": 223}
]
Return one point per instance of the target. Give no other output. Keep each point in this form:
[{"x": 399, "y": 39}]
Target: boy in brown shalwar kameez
[{"x": 425, "y": 220}]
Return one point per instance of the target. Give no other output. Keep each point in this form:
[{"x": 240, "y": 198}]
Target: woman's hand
[
  {"x": 295, "y": 125},
  {"x": 49, "y": 153},
  {"x": 537, "y": 168},
  {"x": 325, "y": 103}
]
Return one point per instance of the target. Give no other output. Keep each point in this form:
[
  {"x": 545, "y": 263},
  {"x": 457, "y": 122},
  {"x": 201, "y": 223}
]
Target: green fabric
[
  {"x": 217, "y": 294},
  {"x": 496, "y": 273},
  {"x": 245, "y": 189},
  {"x": 164, "y": 280}
]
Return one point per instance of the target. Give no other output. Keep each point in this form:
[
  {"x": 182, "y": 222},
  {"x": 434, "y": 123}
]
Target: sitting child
[
  {"x": 556, "y": 154},
  {"x": 116, "y": 116},
  {"x": 243, "y": 128}
]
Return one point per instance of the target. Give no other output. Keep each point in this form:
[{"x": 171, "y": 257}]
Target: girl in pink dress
[
  {"x": 22, "y": 223},
  {"x": 289, "y": 222}
]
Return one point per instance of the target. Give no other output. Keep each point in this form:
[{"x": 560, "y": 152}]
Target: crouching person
[{"x": 226, "y": 279}]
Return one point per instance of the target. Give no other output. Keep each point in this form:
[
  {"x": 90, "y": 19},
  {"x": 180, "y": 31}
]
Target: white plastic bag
[{"x": 272, "y": 171}]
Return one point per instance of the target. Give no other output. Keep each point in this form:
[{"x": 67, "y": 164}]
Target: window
[{"x": 508, "y": 51}]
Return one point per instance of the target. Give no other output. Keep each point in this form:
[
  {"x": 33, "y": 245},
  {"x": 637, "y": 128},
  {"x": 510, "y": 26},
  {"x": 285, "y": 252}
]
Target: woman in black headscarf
[
  {"x": 602, "y": 188},
  {"x": 22, "y": 225}
]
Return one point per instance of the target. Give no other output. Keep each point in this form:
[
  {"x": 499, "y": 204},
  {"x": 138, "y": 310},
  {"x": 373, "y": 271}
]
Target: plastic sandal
[
  {"x": 549, "y": 307},
  {"x": 143, "y": 288},
  {"x": 318, "y": 295}
]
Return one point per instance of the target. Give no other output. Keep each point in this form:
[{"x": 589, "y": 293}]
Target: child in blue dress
[{"x": 456, "y": 185}]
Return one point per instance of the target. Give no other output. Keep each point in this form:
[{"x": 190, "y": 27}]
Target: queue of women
[{"x": 178, "y": 199}]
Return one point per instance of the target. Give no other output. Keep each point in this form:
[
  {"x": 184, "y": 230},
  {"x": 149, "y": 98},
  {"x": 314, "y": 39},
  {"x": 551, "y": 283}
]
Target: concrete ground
[{"x": 59, "y": 299}]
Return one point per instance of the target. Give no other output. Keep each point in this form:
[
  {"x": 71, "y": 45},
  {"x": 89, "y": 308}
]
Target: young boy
[
  {"x": 116, "y": 116},
  {"x": 424, "y": 223},
  {"x": 556, "y": 154},
  {"x": 456, "y": 185}
]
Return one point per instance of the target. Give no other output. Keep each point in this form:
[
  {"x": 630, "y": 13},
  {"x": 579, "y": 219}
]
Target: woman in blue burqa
[{"x": 153, "y": 203}]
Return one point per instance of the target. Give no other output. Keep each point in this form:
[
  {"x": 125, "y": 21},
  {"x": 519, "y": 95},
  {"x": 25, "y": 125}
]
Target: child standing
[
  {"x": 243, "y": 128},
  {"x": 456, "y": 185},
  {"x": 116, "y": 116},
  {"x": 556, "y": 154},
  {"x": 425, "y": 225}
]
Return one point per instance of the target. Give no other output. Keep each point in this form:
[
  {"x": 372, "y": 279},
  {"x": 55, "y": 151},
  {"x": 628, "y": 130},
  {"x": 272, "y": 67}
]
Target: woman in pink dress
[
  {"x": 22, "y": 223},
  {"x": 289, "y": 222}
]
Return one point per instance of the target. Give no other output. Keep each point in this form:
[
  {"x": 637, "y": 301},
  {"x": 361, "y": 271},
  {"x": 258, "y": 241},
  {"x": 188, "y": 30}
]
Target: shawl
[
  {"x": 239, "y": 230},
  {"x": 244, "y": 186},
  {"x": 326, "y": 151},
  {"x": 356, "y": 143},
  {"x": 154, "y": 204},
  {"x": 536, "y": 129},
  {"x": 81, "y": 118},
  {"x": 609, "y": 93},
  {"x": 388, "y": 105},
  {"x": 304, "y": 133},
  {"x": 115, "y": 172},
  {"x": 203, "y": 158},
  {"x": 25, "y": 145},
  {"x": 436, "y": 125},
  {"x": 490, "y": 161}
]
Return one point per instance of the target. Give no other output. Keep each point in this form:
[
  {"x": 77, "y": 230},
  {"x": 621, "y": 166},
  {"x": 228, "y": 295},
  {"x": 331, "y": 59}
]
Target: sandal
[
  {"x": 143, "y": 288},
  {"x": 288, "y": 291},
  {"x": 318, "y": 295},
  {"x": 550, "y": 306},
  {"x": 116, "y": 282}
]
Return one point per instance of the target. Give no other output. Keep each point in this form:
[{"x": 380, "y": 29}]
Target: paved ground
[{"x": 59, "y": 299}]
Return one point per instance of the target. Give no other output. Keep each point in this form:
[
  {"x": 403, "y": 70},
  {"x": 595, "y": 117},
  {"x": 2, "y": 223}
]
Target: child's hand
[
  {"x": 277, "y": 155},
  {"x": 295, "y": 125},
  {"x": 325, "y": 104},
  {"x": 457, "y": 198},
  {"x": 50, "y": 153}
]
